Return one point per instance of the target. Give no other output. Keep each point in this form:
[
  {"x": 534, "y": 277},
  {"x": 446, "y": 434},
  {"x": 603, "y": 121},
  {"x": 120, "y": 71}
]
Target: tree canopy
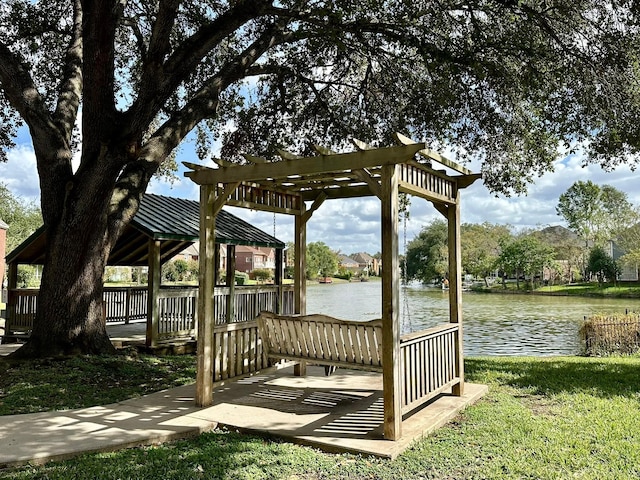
[
  {"x": 426, "y": 255},
  {"x": 596, "y": 213},
  {"x": 524, "y": 256},
  {"x": 124, "y": 83},
  {"x": 321, "y": 260}
]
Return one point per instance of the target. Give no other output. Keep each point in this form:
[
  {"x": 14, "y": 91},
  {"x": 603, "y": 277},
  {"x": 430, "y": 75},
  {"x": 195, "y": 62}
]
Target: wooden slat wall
[
  {"x": 237, "y": 350},
  {"x": 428, "y": 364}
]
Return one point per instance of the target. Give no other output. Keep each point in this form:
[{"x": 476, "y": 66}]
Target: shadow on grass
[{"x": 601, "y": 377}]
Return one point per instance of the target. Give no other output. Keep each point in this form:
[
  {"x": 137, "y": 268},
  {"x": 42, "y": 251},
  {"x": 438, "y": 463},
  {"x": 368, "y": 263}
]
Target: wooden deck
[{"x": 339, "y": 413}]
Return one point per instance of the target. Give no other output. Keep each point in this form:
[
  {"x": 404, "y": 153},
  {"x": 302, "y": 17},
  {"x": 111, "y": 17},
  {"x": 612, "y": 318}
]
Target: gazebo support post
[
  {"x": 300, "y": 284},
  {"x": 391, "y": 367},
  {"x": 155, "y": 278},
  {"x": 204, "y": 373},
  {"x": 218, "y": 259},
  {"x": 231, "y": 283},
  {"x": 12, "y": 284},
  {"x": 455, "y": 287}
]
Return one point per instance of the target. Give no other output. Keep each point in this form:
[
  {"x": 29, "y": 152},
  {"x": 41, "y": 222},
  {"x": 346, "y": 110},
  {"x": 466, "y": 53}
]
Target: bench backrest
[{"x": 322, "y": 338}]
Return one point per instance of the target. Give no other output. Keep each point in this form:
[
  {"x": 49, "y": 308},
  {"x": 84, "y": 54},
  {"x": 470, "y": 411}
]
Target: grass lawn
[
  {"x": 622, "y": 290},
  {"x": 547, "y": 418}
]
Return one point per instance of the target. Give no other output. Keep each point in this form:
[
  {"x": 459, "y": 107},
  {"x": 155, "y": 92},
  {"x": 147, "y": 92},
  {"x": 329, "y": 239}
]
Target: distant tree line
[{"x": 597, "y": 218}]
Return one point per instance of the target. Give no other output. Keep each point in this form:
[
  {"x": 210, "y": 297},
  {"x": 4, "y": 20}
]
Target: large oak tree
[{"x": 125, "y": 81}]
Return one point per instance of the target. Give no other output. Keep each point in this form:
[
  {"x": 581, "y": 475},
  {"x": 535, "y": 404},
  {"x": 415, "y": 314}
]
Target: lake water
[{"x": 493, "y": 324}]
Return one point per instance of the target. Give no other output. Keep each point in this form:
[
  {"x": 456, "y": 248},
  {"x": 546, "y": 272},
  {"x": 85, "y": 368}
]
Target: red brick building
[{"x": 250, "y": 258}]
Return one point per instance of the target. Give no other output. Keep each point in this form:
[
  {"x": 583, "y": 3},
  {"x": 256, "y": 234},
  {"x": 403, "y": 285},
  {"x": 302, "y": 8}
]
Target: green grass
[
  {"x": 543, "y": 418},
  {"x": 593, "y": 289},
  {"x": 59, "y": 384},
  {"x": 623, "y": 290}
]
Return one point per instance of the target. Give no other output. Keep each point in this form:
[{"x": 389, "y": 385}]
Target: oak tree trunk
[{"x": 70, "y": 314}]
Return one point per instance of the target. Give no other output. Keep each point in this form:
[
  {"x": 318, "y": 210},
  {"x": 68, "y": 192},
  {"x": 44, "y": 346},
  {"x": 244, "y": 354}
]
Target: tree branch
[
  {"x": 71, "y": 85},
  {"x": 161, "y": 80},
  {"x": 22, "y": 93}
]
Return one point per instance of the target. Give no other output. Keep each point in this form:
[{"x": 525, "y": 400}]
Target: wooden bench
[{"x": 322, "y": 340}]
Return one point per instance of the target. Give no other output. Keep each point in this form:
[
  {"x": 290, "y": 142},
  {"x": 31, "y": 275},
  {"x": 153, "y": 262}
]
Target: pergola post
[
  {"x": 204, "y": 372},
  {"x": 455, "y": 288},
  {"x": 155, "y": 278},
  {"x": 300, "y": 264},
  {"x": 277, "y": 278},
  {"x": 391, "y": 367},
  {"x": 300, "y": 284},
  {"x": 217, "y": 258}
]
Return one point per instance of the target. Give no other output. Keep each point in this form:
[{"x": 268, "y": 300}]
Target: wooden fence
[
  {"x": 177, "y": 308},
  {"x": 429, "y": 360},
  {"x": 609, "y": 334}
]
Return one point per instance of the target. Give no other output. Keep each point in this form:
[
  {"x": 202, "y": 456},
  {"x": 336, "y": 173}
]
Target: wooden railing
[
  {"x": 237, "y": 350},
  {"x": 123, "y": 304},
  {"x": 21, "y": 310},
  {"x": 177, "y": 307},
  {"x": 177, "y": 312},
  {"x": 429, "y": 364},
  {"x": 237, "y": 345}
]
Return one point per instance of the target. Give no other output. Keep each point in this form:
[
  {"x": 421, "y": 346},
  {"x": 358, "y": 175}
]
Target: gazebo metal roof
[{"x": 173, "y": 221}]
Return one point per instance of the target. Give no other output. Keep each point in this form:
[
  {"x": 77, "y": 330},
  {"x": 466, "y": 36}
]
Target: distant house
[
  {"x": 348, "y": 263},
  {"x": 367, "y": 262},
  {"x": 251, "y": 258},
  {"x": 629, "y": 272}
]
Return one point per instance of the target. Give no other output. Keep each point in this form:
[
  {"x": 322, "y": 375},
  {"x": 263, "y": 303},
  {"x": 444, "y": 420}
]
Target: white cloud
[{"x": 20, "y": 173}]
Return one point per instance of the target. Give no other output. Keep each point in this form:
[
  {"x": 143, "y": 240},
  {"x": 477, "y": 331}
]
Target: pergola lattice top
[{"x": 282, "y": 186}]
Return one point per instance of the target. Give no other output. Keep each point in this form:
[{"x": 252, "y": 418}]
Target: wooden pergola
[{"x": 286, "y": 186}]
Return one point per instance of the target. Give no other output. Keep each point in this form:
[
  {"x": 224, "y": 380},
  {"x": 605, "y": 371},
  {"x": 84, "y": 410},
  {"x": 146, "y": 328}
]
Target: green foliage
[
  {"x": 321, "y": 260},
  {"x": 261, "y": 274},
  {"x": 23, "y": 217},
  {"x": 524, "y": 256},
  {"x": 27, "y": 276},
  {"x": 426, "y": 256},
  {"x": 628, "y": 240},
  {"x": 241, "y": 278},
  {"x": 480, "y": 247},
  {"x": 595, "y": 213},
  {"x": 344, "y": 273},
  {"x": 180, "y": 270},
  {"x": 602, "y": 266}
]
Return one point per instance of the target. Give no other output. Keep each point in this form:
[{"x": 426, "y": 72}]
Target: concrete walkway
[{"x": 340, "y": 413}]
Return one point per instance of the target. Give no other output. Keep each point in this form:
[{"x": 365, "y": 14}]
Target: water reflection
[{"x": 493, "y": 324}]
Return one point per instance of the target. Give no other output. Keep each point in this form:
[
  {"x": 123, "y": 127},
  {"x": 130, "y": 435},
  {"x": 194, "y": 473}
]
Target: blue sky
[{"x": 353, "y": 225}]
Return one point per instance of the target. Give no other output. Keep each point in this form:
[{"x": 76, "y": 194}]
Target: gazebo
[
  {"x": 416, "y": 367},
  {"x": 163, "y": 227}
]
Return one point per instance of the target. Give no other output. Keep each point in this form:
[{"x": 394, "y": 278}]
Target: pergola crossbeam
[{"x": 342, "y": 162}]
